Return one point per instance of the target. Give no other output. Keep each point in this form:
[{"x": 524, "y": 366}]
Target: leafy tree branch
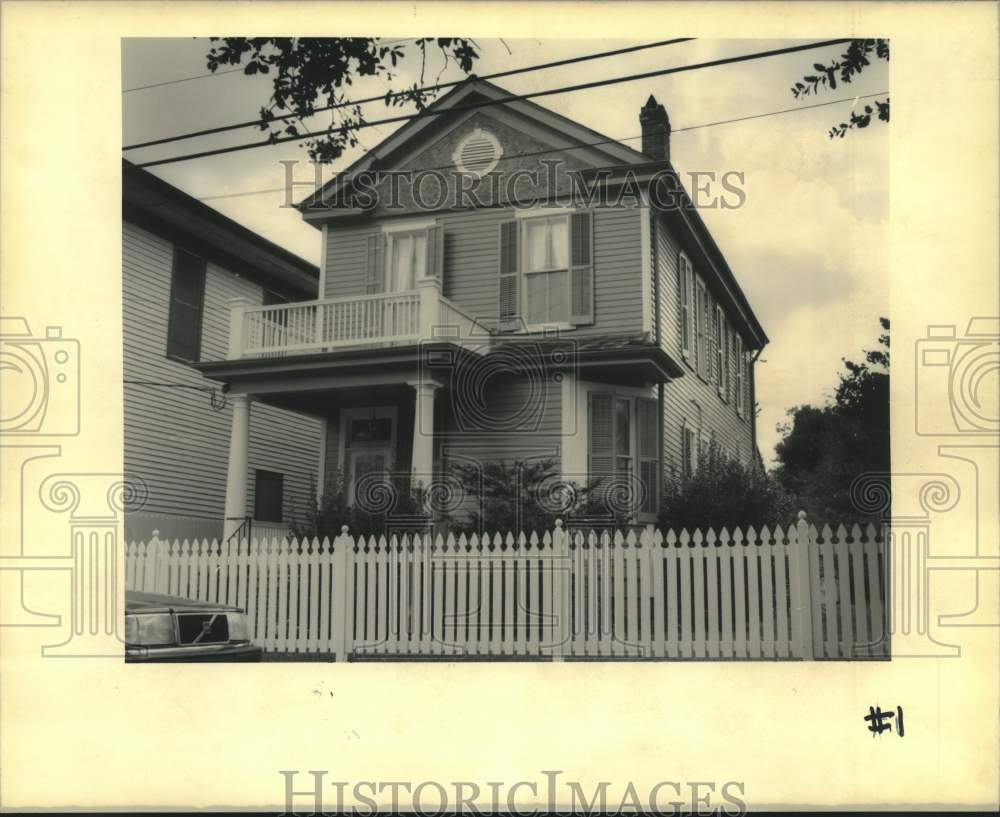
[
  {"x": 851, "y": 63},
  {"x": 311, "y": 74}
]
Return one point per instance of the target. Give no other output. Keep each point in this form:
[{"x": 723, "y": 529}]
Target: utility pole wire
[
  {"x": 509, "y": 73},
  {"x": 507, "y": 100},
  {"x": 208, "y": 75},
  {"x": 595, "y": 144}
]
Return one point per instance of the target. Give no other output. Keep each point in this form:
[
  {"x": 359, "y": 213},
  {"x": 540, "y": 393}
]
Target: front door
[{"x": 369, "y": 443}]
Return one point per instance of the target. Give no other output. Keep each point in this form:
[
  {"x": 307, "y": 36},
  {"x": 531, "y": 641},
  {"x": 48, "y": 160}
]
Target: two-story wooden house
[
  {"x": 182, "y": 264},
  {"x": 474, "y": 306}
]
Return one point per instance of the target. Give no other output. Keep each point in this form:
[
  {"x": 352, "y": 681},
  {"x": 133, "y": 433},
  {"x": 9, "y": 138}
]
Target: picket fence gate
[{"x": 770, "y": 594}]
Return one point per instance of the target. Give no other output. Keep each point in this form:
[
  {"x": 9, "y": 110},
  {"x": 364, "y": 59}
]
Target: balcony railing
[{"x": 335, "y": 323}]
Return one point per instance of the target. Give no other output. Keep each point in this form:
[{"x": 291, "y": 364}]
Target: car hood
[{"x": 136, "y": 602}]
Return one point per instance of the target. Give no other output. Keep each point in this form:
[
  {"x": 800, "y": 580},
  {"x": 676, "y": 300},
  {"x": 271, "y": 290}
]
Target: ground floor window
[
  {"x": 623, "y": 436},
  {"x": 268, "y": 496}
]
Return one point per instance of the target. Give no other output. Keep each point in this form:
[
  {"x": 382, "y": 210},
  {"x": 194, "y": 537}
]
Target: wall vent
[{"x": 478, "y": 153}]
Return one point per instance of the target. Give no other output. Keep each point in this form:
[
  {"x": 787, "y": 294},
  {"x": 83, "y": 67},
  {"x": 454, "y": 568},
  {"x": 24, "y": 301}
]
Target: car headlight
[
  {"x": 239, "y": 627},
  {"x": 149, "y": 630}
]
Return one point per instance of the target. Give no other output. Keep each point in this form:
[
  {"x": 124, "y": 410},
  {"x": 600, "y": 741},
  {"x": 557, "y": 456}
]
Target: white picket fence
[{"x": 768, "y": 594}]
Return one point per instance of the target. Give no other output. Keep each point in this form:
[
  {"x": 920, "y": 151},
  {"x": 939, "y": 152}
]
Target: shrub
[
  {"x": 529, "y": 496},
  {"x": 392, "y": 506},
  {"x": 723, "y": 492}
]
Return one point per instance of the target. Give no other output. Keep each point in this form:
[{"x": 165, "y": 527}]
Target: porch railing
[{"x": 333, "y": 323}]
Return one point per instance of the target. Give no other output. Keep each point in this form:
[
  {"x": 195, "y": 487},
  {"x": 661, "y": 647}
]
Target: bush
[
  {"x": 392, "y": 506},
  {"x": 528, "y": 496},
  {"x": 724, "y": 493}
]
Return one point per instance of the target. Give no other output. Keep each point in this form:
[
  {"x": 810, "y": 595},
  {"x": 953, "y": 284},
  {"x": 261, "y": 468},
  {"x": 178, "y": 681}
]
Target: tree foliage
[
  {"x": 313, "y": 74},
  {"x": 824, "y": 449},
  {"x": 850, "y": 64}
]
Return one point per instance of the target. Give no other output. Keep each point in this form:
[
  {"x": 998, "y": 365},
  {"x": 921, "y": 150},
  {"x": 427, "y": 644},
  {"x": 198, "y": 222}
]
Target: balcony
[{"x": 329, "y": 324}]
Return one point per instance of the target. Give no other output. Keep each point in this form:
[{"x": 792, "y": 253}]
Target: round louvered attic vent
[{"x": 478, "y": 153}]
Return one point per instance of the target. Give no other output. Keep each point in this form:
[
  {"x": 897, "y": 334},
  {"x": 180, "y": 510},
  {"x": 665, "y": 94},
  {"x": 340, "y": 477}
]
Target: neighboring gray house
[
  {"x": 182, "y": 264},
  {"x": 612, "y": 339}
]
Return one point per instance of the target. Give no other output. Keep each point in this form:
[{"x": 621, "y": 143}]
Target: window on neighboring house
[
  {"x": 268, "y": 497},
  {"x": 740, "y": 363},
  {"x": 624, "y": 446},
  {"x": 722, "y": 352},
  {"x": 187, "y": 301},
  {"x": 685, "y": 287},
  {"x": 546, "y": 270}
]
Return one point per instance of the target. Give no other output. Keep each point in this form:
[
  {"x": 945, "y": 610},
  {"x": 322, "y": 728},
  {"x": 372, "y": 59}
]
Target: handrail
[{"x": 374, "y": 296}]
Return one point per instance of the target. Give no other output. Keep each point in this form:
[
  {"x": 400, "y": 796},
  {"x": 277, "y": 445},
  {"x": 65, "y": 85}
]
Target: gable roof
[
  {"x": 468, "y": 96},
  {"x": 158, "y": 206}
]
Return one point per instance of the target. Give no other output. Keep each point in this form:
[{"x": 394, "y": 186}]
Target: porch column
[
  {"x": 422, "y": 463},
  {"x": 237, "y": 324},
  {"x": 429, "y": 290},
  {"x": 236, "y": 477}
]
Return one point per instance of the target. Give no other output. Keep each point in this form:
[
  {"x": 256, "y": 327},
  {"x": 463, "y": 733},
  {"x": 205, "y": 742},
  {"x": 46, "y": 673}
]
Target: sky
[{"x": 809, "y": 247}]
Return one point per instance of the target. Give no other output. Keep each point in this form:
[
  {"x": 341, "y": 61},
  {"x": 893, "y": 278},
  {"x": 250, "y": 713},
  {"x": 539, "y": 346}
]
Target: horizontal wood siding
[
  {"x": 174, "y": 441},
  {"x": 525, "y": 417},
  {"x": 684, "y": 396},
  {"x": 471, "y": 264}
]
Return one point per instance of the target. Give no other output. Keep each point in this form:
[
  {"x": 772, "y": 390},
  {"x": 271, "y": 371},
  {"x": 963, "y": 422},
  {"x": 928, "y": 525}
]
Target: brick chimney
[{"x": 655, "y": 129}]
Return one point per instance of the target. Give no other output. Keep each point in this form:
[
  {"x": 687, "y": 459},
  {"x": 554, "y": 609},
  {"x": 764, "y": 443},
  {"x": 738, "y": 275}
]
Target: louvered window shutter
[
  {"x": 601, "y": 436},
  {"x": 509, "y": 277},
  {"x": 689, "y": 304},
  {"x": 581, "y": 273},
  {"x": 375, "y": 264},
  {"x": 731, "y": 361},
  {"x": 685, "y": 450},
  {"x": 435, "y": 253},
  {"x": 683, "y": 331},
  {"x": 739, "y": 375},
  {"x": 649, "y": 453}
]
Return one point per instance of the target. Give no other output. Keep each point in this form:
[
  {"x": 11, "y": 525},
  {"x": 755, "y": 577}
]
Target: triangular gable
[{"x": 539, "y": 126}]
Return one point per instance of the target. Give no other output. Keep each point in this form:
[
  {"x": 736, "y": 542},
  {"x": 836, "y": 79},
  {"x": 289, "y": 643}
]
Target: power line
[
  {"x": 595, "y": 144},
  {"x": 499, "y": 74},
  {"x": 507, "y": 100},
  {"x": 176, "y": 81},
  {"x": 206, "y": 76}
]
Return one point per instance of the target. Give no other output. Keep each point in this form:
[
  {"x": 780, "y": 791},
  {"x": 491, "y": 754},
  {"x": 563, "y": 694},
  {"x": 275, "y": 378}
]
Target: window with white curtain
[
  {"x": 406, "y": 257},
  {"x": 546, "y": 268}
]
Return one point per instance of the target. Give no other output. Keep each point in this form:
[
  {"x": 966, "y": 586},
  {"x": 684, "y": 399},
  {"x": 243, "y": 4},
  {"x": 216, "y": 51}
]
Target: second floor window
[
  {"x": 187, "y": 301},
  {"x": 722, "y": 352},
  {"x": 685, "y": 292},
  {"x": 546, "y": 270},
  {"x": 406, "y": 260}
]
